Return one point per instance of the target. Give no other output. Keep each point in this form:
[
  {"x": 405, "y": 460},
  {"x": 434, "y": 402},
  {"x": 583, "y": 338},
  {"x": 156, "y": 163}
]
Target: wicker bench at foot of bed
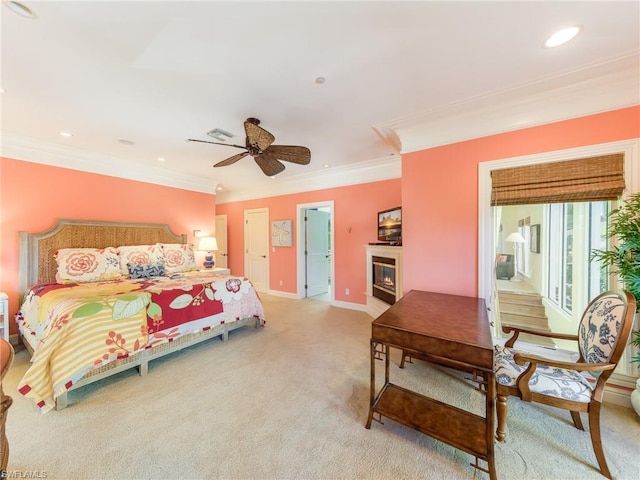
[{"x": 142, "y": 359}]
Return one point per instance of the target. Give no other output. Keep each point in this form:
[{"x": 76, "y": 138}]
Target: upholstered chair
[
  {"x": 603, "y": 334},
  {"x": 6, "y": 358}
]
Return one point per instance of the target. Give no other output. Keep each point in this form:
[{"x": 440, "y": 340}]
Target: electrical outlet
[
  {"x": 346, "y": 291},
  {"x": 281, "y": 282}
]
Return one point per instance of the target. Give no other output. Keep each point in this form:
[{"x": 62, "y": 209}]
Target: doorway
[
  {"x": 222, "y": 258},
  {"x": 256, "y": 247},
  {"x": 315, "y": 244}
]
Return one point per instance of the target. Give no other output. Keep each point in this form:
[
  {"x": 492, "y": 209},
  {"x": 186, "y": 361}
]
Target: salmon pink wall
[
  {"x": 33, "y": 196},
  {"x": 355, "y": 209},
  {"x": 440, "y": 194}
]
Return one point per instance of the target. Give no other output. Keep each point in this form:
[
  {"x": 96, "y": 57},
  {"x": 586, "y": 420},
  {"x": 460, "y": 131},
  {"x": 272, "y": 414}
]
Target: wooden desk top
[{"x": 449, "y": 326}]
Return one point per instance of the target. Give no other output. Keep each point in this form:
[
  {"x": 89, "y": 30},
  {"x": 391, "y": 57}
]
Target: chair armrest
[
  {"x": 534, "y": 360},
  {"x": 518, "y": 330},
  {"x": 522, "y": 358}
]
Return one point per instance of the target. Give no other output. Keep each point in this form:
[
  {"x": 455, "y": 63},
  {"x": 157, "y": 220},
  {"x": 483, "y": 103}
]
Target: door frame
[
  {"x": 301, "y": 240},
  {"x": 486, "y": 242}
]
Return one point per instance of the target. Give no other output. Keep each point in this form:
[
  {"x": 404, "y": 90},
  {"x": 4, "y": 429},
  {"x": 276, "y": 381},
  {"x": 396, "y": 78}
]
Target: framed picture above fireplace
[{"x": 390, "y": 226}]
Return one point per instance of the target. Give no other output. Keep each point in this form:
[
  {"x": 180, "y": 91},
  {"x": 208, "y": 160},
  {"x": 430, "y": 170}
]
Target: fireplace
[{"x": 383, "y": 279}]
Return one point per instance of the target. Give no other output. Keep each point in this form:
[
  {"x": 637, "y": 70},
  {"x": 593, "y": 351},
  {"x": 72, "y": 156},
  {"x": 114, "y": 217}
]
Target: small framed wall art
[
  {"x": 535, "y": 238},
  {"x": 281, "y": 233}
]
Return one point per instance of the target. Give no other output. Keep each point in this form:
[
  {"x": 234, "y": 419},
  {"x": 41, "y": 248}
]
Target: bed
[{"x": 103, "y": 297}]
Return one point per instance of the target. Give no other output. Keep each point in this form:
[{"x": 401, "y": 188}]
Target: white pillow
[
  {"x": 139, "y": 254},
  {"x": 178, "y": 257},
  {"x": 87, "y": 265}
]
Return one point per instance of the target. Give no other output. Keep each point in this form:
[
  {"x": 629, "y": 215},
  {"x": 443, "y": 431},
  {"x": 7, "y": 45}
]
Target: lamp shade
[
  {"x": 515, "y": 237},
  {"x": 208, "y": 244}
]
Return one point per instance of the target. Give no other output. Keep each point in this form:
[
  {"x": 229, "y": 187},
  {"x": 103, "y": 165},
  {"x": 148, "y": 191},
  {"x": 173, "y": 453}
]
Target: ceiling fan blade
[
  {"x": 215, "y": 143},
  {"x": 269, "y": 166},
  {"x": 258, "y": 136},
  {"x": 290, "y": 153},
  {"x": 231, "y": 160}
]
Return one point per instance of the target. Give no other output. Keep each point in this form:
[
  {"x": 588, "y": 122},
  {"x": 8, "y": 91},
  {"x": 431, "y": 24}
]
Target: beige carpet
[{"x": 288, "y": 401}]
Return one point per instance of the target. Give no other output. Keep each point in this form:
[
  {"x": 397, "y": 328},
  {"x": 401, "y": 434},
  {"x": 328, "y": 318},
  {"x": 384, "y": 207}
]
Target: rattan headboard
[{"x": 37, "y": 264}]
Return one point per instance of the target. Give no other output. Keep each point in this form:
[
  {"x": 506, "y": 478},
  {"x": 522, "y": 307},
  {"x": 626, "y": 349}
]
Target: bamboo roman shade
[{"x": 582, "y": 180}]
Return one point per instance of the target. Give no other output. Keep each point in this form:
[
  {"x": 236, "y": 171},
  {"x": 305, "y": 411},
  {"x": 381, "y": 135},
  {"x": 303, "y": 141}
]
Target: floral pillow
[
  {"x": 87, "y": 265},
  {"x": 146, "y": 270},
  {"x": 178, "y": 257},
  {"x": 139, "y": 254}
]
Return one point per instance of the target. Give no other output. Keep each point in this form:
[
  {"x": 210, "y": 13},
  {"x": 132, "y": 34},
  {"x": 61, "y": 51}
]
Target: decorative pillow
[
  {"x": 139, "y": 254},
  {"x": 87, "y": 265},
  {"x": 178, "y": 257},
  {"x": 146, "y": 270}
]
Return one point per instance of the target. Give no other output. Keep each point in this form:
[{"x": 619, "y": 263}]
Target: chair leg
[
  {"x": 577, "y": 421},
  {"x": 596, "y": 440},
  {"x": 501, "y": 409}
]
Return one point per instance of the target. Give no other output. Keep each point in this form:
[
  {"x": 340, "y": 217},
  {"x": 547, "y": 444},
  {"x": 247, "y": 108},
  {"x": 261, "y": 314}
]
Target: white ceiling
[{"x": 400, "y": 76}]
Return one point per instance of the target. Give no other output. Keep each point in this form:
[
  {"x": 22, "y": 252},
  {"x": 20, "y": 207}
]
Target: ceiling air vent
[{"x": 220, "y": 135}]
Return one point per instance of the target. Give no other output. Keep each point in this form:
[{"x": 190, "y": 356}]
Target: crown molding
[
  {"x": 597, "y": 88},
  {"x": 21, "y": 148},
  {"x": 386, "y": 168}
]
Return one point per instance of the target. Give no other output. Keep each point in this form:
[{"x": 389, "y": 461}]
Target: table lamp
[{"x": 208, "y": 244}]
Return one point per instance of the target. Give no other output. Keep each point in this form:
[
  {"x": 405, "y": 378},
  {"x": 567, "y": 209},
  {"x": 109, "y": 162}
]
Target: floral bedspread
[{"x": 80, "y": 327}]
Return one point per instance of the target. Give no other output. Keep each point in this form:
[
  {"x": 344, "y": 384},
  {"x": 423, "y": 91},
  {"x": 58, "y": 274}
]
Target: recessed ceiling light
[
  {"x": 66, "y": 134},
  {"x": 161, "y": 159},
  {"x": 19, "y": 8},
  {"x": 320, "y": 80},
  {"x": 126, "y": 142},
  {"x": 326, "y": 165},
  {"x": 2, "y": 90},
  {"x": 219, "y": 188},
  {"x": 562, "y": 36}
]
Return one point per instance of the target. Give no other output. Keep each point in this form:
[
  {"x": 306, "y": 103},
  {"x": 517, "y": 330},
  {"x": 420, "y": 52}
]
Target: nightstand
[{"x": 4, "y": 313}]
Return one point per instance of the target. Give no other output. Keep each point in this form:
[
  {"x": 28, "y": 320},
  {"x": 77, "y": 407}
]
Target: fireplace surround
[{"x": 384, "y": 277}]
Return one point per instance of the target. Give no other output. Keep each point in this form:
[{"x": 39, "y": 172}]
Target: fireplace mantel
[{"x": 375, "y": 306}]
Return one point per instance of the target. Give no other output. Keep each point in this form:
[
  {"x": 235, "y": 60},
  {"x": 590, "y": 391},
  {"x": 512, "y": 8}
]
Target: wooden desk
[{"x": 446, "y": 329}]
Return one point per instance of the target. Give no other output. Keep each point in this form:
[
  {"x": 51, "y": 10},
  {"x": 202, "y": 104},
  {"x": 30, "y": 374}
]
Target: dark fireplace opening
[{"x": 384, "y": 279}]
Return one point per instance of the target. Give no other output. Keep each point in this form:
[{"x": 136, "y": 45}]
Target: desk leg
[
  {"x": 490, "y": 399},
  {"x": 372, "y": 387}
]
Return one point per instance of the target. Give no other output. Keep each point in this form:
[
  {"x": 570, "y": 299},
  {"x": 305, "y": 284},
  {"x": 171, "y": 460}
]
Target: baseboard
[
  {"x": 278, "y": 293},
  {"x": 351, "y": 306},
  {"x": 617, "y": 395}
]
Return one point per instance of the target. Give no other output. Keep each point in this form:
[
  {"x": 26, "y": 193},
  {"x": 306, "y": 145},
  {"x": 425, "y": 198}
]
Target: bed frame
[{"x": 37, "y": 265}]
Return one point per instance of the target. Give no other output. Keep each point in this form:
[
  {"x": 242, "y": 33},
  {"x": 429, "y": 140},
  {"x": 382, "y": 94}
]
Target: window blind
[{"x": 581, "y": 180}]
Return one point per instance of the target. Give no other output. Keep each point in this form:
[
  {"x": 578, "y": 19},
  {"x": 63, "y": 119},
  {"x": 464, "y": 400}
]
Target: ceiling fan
[{"x": 258, "y": 144}]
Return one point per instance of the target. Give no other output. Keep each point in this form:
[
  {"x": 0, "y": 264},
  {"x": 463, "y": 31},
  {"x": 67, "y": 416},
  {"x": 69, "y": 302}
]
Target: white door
[
  {"x": 256, "y": 248},
  {"x": 222, "y": 258},
  {"x": 317, "y": 252}
]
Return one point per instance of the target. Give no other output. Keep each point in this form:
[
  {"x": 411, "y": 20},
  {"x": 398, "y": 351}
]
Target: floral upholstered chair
[{"x": 603, "y": 334}]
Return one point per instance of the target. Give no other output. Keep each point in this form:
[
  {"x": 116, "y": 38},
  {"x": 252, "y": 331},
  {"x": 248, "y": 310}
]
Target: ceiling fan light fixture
[
  {"x": 259, "y": 144},
  {"x": 563, "y": 36}
]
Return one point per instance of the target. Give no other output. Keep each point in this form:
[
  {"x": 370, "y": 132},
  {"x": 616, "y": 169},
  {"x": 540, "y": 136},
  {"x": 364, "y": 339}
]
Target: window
[{"x": 583, "y": 228}]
